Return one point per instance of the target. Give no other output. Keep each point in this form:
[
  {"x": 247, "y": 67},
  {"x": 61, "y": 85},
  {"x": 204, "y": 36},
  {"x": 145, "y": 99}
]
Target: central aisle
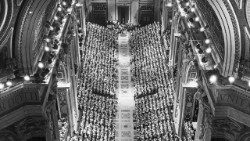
[{"x": 126, "y": 105}]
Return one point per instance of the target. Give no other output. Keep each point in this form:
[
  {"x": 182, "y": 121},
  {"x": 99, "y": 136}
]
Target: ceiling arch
[
  {"x": 29, "y": 32},
  {"x": 6, "y": 13},
  {"x": 231, "y": 34}
]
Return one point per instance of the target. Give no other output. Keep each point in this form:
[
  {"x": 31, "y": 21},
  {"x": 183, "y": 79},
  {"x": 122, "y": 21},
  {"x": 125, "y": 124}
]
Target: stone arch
[
  {"x": 247, "y": 10},
  {"x": 29, "y": 32},
  {"x": 7, "y": 135},
  {"x": 231, "y": 34},
  {"x": 245, "y": 137},
  {"x": 6, "y": 14}
]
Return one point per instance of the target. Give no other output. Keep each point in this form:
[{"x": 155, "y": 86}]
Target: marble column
[
  {"x": 204, "y": 121},
  {"x": 157, "y": 9},
  {"x": 134, "y": 12},
  {"x": 111, "y": 10}
]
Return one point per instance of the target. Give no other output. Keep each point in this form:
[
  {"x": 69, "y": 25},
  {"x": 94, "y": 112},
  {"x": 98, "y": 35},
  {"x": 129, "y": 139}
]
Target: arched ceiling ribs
[
  {"x": 6, "y": 14},
  {"x": 29, "y": 31},
  {"x": 231, "y": 35},
  {"x": 248, "y": 12}
]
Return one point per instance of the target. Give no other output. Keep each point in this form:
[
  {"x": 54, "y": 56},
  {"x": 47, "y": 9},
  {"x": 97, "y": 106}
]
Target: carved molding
[
  {"x": 233, "y": 98},
  {"x": 15, "y": 99}
]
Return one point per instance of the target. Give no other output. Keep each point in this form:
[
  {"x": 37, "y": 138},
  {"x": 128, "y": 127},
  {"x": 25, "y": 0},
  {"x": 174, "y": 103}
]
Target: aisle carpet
[{"x": 126, "y": 106}]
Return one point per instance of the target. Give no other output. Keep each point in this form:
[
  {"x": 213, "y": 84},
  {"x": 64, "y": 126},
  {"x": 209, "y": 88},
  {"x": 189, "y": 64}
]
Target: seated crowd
[
  {"x": 98, "y": 114},
  {"x": 152, "y": 118},
  {"x": 151, "y": 78},
  {"x": 99, "y": 60},
  {"x": 98, "y": 83}
]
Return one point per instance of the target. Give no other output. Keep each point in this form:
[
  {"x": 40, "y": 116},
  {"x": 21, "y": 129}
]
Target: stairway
[{"x": 126, "y": 105}]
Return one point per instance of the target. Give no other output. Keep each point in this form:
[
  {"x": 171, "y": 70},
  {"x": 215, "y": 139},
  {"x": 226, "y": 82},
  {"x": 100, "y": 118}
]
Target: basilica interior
[{"x": 124, "y": 70}]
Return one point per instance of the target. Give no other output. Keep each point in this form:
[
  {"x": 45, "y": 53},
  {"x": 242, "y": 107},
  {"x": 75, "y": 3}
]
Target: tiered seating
[
  {"x": 98, "y": 83},
  {"x": 152, "y": 81}
]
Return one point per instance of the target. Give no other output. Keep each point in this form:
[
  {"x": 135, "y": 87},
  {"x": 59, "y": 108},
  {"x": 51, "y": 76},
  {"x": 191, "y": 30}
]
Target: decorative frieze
[{"x": 233, "y": 98}]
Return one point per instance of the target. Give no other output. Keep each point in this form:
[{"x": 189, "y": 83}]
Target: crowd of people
[
  {"x": 153, "y": 84},
  {"x": 98, "y": 83},
  {"x": 151, "y": 79},
  {"x": 99, "y": 60},
  {"x": 150, "y": 61},
  {"x": 98, "y": 114},
  {"x": 152, "y": 118}
]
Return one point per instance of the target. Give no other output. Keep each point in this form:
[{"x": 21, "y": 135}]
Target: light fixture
[
  {"x": 215, "y": 66},
  {"x": 47, "y": 40},
  {"x": 64, "y": 20},
  {"x": 69, "y": 10},
  {"x": 56, "y": 18},
  {"x": 209, "y": 50},
  {"x": 213, "y": 79},
  {"x": 26, "y": 78},
  {"x": 40, "y": 65},
  {"x": 207, "y": 41},
  {"x": 202, "y": 29},
  {"x": 1, "y": 86},
  {"x": 187, "y": 4},
  {"x": 231, "y": 79},
  {"x": 192, "y": 9},
  {"x": 59, "y": 9},
  {"x": 64, "y": 3},
  {"x": 51, "y": 28},
  {"x": 46, "y": 48},
  {"x": 169, "y": 4},
  {"x": 196, "y": 19},
  {"x": 248, "y": 83},
  {"x": 9, "y": 83}
]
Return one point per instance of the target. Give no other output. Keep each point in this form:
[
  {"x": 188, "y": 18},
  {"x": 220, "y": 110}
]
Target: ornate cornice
[
  {"x": 19, "y": 114},
  {"x": 18, "y": 97},
  {"x": 233, "y": 98}
]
